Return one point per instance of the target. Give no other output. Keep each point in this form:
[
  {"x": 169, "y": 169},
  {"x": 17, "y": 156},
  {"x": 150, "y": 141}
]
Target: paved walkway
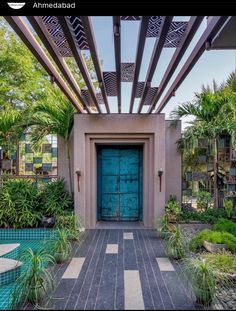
[{"x": 120, "y": 269}]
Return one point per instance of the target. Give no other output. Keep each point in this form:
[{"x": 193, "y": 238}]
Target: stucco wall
[
  {"x": 62, "y": 158},
  {"x": 159, "y": 147},
  {"x": 173, "y": 161}
]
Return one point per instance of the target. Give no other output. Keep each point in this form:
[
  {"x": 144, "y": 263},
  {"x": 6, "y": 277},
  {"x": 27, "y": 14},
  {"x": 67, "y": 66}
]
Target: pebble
[{"x": 225, "y": 298}]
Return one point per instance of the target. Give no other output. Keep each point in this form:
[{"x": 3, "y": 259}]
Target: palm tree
[
  {"x": 55, "y": 116},
  {"x": 212, "y": 111}
]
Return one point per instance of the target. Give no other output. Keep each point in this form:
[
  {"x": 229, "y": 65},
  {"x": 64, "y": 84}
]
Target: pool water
[{"x": 36, "y": 243}]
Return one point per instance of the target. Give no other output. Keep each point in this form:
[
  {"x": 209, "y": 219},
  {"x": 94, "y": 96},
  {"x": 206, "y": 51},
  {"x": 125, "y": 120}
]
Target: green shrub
[
  {"x": 19, "y": 204},
  {"x": 228, "y": 205},
  {"x": 225, "y": 225},
  {"x": 60, "y": 247},
  {"x": 71, "y": 222},
  {"x": 210, "y": 216},
  {"x": 223, "y": 261},
  {"x": 213, "y": 237},
  {"x": 164, "y": 227},
  {"x": 172, "y": 208},
  {"x": 203, "y": 200},
  {"x": 55, "y": 199}
]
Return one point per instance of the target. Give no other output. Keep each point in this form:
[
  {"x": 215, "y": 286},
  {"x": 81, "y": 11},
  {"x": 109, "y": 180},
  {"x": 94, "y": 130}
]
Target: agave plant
[{"x": 35, "y": 280}]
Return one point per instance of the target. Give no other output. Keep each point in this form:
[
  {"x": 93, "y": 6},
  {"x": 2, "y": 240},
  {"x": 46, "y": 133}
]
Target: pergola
[{"x": 69, "y": 36}]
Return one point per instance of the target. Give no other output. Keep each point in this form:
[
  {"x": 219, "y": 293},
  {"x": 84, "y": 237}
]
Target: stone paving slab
[{"x": 128, "y": 277}]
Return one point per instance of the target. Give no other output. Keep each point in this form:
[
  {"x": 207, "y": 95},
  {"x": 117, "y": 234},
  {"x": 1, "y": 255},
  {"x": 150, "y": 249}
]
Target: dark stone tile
[
  {"x": 84, "y": 281},
  {"x": 130, "y": 260},
  {"x": 179, "y": 297},
  {"x": 95, "y": 280},
  {"x": 147, "y": 295},
  {"x": 119, "y": 299},
  {"x": 107, "y": 286}
]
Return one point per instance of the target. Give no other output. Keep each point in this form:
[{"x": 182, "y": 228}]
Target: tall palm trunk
[
  {"x": 69, "y": 165},
  {"x": 215, "y": 164}
]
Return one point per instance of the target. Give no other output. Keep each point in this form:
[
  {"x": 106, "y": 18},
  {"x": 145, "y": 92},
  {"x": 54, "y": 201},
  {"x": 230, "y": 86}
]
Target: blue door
[{"x": 120, "y": 183}]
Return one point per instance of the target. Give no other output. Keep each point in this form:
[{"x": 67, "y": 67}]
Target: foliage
[
  {"x": 228, "y": 205},
  {"x": 55, "y": 199},
  {"x": 211, "y": 215},
  {"x": 164, "y": 227},
  {"x": 35, "y": 281},
  {"x": 172, "y": 208},
  {"x": 202, "y": 277},
  {"x": 213, "y": 237},
  {"x": 19, "y": 204},
  {"x": 176, "y": 244},
  {"x": 203, "y": 200},
  {"x": 223, "y": 261},
  {"x": 225, "y": 225},
  {"x": 69, "y": 221},
  {"x": 60, "y": 247}
]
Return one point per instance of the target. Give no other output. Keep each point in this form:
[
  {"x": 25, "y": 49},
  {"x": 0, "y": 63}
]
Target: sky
[{"x": 213, "y": 64}]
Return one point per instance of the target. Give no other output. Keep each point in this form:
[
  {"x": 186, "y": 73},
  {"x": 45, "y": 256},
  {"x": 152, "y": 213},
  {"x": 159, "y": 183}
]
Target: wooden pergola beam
[
  {"x": 117, "y": 46},
  {"x": 211, "y": 30},
  {"x": 160, "y": 41},
  {"x": 193, "y": 26},
  {"x": 79, "y": 60},
  {"x": 88, "y": 28},
  {"x": 41, "y": 31},
  {"x": 17, "y": 23},
  {"x": 139, "y": 55}
]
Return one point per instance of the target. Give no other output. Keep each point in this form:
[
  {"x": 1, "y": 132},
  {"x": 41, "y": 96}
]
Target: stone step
[
  {"x": 9, "y": 250},
  {"x": 10, "y": 270}
]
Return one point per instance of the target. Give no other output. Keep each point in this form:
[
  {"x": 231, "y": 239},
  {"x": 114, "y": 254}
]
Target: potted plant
[
  {"x": 176, "y": 244},
  {"x": 61, "y": 246},
  {"x": 35, "y": 281},
  {"x": 202, "y": 277}
]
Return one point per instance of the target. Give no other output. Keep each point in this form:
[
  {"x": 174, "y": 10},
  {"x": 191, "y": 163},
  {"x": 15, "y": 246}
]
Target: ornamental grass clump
[
  {"x": 35, "y": 280},
  {"x": 176, "y": 244},
  {"x": 201, "y": 275}
]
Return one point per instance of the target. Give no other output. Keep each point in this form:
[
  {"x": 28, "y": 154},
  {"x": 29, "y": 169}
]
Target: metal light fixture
[
  {"x": 160, "y": 173},
  {"x": 78, "y": 173},
  {"x": 208, "y": 45}
]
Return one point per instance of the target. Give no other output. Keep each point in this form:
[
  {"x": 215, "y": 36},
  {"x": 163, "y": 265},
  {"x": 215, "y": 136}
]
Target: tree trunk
[
  {"x": 216, "y": 190},
  {"x": 69, "y": 165}
]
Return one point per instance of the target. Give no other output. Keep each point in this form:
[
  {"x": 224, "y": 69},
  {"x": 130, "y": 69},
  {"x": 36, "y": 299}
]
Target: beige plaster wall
[
  {"x": 173, "y": 161},
  {"x": 62, "y": 158},
  {"x": 159, "y": 149}
]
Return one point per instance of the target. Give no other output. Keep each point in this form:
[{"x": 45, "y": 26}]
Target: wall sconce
[
  {"x": 160, "y": 173},
  {"x": 78, "y": 173}
]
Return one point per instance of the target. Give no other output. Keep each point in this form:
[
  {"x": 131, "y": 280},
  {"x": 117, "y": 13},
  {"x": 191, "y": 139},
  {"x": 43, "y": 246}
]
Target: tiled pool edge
[{"x": 27, "y": 234}]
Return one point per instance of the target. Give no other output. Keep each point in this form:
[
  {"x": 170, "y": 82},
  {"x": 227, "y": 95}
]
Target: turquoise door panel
[
  {"x": 110, "y": 184},
  {"x": 119, "y": 178}
]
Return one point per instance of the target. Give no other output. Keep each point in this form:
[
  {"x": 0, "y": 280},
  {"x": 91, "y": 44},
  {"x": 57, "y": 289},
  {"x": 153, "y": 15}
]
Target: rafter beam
[
  {"x": 79, "y": 59},
  {"x": 41, "y": 31},
  {"x": 193, "y": 26},
  {"x": 117, "y": 34},
  {"x": 17, "y": 23},
  {"x": 88, "y": 28},
  {"x": 155, "y": 57},
  {"x": 139, "y": 55},
  {"x": 209, "y": 33}
]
